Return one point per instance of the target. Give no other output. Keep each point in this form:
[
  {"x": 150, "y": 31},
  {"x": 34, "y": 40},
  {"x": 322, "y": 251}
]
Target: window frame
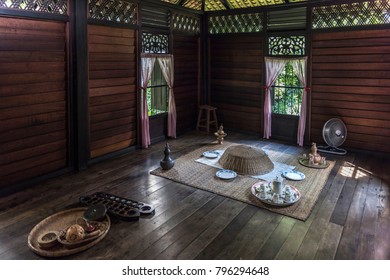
[
  {"x": 295, "y": 88},
  {"x": 295, "y": 38},
  {"x": 156, "y": 42},
  {"x": 149, "y": 92}
]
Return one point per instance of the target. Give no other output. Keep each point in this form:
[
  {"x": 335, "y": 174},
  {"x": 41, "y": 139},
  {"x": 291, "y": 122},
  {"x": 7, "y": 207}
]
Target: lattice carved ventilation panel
[
  {"x": 288, "y": 45},
  {"x": 113, "y": 10},
  {"x": 209, "y": 5},
  {"x": 352, "y": 14},
  {"x": 240, "y": 23},
  {"x": 186, "y": 23},
  {"x": 217, "y": 5},
  {"x": 237, "y": 4},
  {"x": 45, "y": 6},
  {"x": 155, "y": 43}
]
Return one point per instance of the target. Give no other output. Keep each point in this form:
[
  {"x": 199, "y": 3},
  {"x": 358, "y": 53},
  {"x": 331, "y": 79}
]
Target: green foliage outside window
[
  {"x": 287, "y": 93},
  {"x": 157, "y": 92}
]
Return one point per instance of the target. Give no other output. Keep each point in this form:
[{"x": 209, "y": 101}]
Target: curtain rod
[{"x": 156, "y": 55}]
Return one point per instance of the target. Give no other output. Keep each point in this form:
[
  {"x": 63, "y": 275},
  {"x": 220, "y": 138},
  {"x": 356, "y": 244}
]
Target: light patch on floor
[{"x": 352, "y": 171}]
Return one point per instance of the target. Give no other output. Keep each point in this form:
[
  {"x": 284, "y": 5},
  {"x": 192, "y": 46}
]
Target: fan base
[{"x": 332, "y": 150}]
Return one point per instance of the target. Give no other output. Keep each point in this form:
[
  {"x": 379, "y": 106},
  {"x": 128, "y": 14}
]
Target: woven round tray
[
  {"x": 246, "y": 160},
  {"x": 57, "y": 223}
]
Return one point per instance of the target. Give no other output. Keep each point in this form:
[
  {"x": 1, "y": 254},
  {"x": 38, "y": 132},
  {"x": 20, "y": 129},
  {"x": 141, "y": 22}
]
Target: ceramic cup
[
  {"x": 263, "y": 193},
  {"x": 275, "y": 198},
  {"x": 288, "y": 197},
  {"x": 288, "y": 194}
]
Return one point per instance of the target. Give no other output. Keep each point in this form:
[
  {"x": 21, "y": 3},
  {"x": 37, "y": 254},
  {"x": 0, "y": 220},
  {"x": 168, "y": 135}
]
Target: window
[
  {"x": 287, "y": 92},
  {"x": 157, "y": 92}
]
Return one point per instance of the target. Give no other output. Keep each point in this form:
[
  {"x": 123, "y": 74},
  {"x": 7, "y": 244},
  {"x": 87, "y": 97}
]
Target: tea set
[
  {"x": 276, "y": 193},
  {"x": 313, "y": 159}
]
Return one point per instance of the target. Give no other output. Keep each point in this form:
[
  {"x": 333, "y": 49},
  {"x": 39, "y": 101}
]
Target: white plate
[
  {"x": 226, "y": 174},
  {"x": 269, "y": 193},
  {"x": 294, "y": 175},
  {"x": 211, "y": 154}
]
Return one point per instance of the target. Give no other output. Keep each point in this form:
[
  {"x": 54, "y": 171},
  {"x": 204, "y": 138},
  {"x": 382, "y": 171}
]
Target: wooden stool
[{"x": 205, "y": 122}]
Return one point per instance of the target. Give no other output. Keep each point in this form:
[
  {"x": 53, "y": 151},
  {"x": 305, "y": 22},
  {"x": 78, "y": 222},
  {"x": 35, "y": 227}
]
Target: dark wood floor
[{"x": 351, "y": 219}]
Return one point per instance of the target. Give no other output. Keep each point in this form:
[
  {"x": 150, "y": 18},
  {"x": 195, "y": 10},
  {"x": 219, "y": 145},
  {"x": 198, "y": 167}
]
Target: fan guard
[{"x": 334, "y": 133}]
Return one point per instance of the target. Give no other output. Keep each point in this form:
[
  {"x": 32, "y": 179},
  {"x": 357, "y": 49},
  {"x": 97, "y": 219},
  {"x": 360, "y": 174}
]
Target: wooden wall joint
[{"x": 79, "y": 83}]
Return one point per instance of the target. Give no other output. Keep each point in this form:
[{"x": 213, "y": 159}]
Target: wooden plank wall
[
  {"x": 236, "y": 67},
  {"x": 33, "y": 99},
  {"x": 186, "y": 55},
  {"x": 351, "y": 81},
  {"x": 112, "y": 89}
]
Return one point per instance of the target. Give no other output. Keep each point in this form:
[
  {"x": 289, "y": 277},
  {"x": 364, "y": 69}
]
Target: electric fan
[{"x": 334, "y": 133}]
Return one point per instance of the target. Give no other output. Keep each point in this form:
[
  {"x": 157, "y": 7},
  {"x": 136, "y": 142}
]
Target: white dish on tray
[
  {"x": 294, "y": 175},
  {"x": 226, "y": 174},
  {"x": 210, "y": 154},
  {"x": 268, "y": 192}
]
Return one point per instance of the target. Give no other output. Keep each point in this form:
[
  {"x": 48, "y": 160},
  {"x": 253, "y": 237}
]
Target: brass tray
[
  {"x": 269, "y": 190},
  {"x": 58, "y": 222},
  {"x": 305, "y": 162}
]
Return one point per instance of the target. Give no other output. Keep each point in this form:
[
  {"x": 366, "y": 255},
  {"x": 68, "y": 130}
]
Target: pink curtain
[
  {"x": 273, "y": 67},
  {"x": 166, "y": 65},
  {"x": 147, "y": 64},
  {"x": 300, "y": 67}
]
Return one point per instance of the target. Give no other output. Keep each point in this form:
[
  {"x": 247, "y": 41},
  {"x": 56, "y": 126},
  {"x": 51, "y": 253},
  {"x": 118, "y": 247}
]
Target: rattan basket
[{"x": 246, "y": 160}]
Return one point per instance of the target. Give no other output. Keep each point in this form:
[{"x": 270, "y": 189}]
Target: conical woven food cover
[{"x": 246, "y": 160}]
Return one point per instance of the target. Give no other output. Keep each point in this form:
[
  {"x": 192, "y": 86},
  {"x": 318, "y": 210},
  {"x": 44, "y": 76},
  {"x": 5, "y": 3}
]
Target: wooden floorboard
[
  {"x": 276, "y": 239},
  {"x": 228, "y": 234},
  {"x": 249, "y": 235},
  {"x": 221, "y": 217},
  {"x": 180, "y": 238},
  {"x": 156, "y": 248},
  {"x": 349, "y": 242},
  {"x": 382, "y": 232},
  {"x": 310, "y": 233},
  {"x": 351, "y": 219},
  {"x": 328, "y": 245}
]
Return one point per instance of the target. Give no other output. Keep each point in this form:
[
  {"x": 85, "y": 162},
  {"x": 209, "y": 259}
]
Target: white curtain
[
  {"x": 167, "y": 68},
  {"x": 147, "y": 64},
  {"x": 300, "y": 67},
  {"x": 273, "y": 67}
]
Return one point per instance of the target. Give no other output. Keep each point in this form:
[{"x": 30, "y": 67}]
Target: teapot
[
  {"x": 277, "y": 185},
  {"x": 316, "y": 156}
]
